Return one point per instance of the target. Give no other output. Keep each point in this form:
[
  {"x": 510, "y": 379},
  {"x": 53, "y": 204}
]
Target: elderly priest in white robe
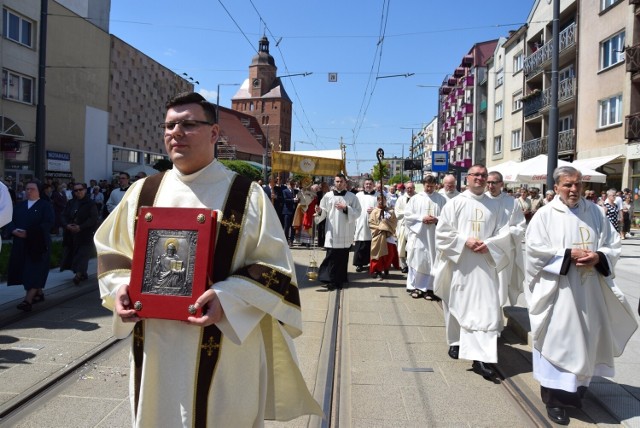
[
  {"x": 472, "y": 249},
  {"x": 580, "y": 320},
  {"x": 236, "y": 364}
]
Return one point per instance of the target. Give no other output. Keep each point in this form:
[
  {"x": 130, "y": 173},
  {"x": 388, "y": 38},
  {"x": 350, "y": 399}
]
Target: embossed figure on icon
[{"x": 169, "y": 272}]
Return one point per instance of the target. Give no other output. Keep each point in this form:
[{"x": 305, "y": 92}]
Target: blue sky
[{"x": 213, "y": 41}]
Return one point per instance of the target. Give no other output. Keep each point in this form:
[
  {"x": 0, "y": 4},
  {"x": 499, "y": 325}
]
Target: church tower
[{"x": 263, "y": 97}]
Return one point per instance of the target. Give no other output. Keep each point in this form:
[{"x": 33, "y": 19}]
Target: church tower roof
[{"x": 263, "y": 56}]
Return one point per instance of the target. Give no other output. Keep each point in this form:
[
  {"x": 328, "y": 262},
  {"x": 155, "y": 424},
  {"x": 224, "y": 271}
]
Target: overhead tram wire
[
  {"x": 252, "y": 44},
  {"x": 371, "y": 82}
]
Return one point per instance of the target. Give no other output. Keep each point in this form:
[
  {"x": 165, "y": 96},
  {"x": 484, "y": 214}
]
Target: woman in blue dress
[{"x": 31, "y": 251}]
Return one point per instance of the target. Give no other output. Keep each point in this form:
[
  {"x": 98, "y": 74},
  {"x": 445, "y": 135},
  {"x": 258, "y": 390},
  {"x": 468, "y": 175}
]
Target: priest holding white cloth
[
  {"x": 472, "y": 250},
  {"x": 580, "y": 320}
]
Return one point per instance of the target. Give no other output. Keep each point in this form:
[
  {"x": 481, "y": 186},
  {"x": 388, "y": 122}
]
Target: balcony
[
  {"x": 566, "y": 142},
  {"x": 632, "y": 58},
  {"x": 467, "y": 108},
  {"x": 533, "y": 148},
  {"x": 632, "y": 126},
  {"x": 538, "y": 146},
  {"x": 566, "y": 91},
  {"x": 467, "y": 82},
  {"x": 532, "y": 104},
  {"x": 458, "y": 72},
  {"x": 533, "y": 64},
  {"x": 459, "y": 116},
  {"x": 459, "y": 92}
]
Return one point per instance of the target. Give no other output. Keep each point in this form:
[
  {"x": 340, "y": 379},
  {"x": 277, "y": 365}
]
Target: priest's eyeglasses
[{"x": 186, "y": 125}]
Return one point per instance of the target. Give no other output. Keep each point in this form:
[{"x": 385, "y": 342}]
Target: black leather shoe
[
  {"x": 359, "y": 268},
  {"x": 558, "y": 415},
  {"x": 453, "y": 351},
  {"x": 482, "y": 369},
  {"x": 405, "y": 270}
]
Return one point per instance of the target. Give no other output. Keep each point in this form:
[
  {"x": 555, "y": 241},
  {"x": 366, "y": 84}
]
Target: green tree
[
  {"x": 398, "y": 178},
  {"x": 243, "y": 168},
  {"x": 385, "y": 170}
]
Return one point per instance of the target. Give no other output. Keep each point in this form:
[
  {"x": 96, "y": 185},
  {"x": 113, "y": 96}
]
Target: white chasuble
[
  {"x": 362, "y": 232},
  {"x": 467, "y": 281},
  {"x": 421, "y": 239},
  {"x": 257, "y": 327},
  {"x": 511, "y": 278},
  {"x": 579, "y": 320},
  {"x": 401, "y": 230}
]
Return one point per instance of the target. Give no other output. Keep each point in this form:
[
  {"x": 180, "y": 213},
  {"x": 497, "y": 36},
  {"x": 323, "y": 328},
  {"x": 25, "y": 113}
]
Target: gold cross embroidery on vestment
[
  {"x": 270, "y": 278},
  {"x": 210, "y": 346},
  {"x": 476, "y": 223},
  {"x": 585, "y": 235},
  {"x": 230, "y": 224}
]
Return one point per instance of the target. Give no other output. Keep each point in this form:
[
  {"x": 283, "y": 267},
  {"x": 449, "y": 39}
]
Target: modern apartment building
[{"x": 461, "y": 100}]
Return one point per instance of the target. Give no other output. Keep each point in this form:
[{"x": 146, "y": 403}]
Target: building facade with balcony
[
  {"x": 537, "y": 80},
  {"x": 504, "y": 99},
  {"x": 459, "y": 98}
]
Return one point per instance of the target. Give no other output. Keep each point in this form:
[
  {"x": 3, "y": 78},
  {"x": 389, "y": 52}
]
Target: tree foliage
[
  {"x": 385, "y": 171},
  {"x": 399, "y": 178},
  {"x": 243, "y": 168}
]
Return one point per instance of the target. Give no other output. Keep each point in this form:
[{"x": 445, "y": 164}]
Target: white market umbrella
[{"x": 534, "y": 170}]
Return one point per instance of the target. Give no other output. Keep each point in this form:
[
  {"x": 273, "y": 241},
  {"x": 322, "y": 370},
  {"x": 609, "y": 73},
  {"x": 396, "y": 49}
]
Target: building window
[
  {"x": 516, "y": 139},
  {"x": 499, "y": 78},
  {"x": 518, "y": 62},
  {"x": 499, "y": 111},
  {"x": 612, "y": 51},
  {"x": 605, "y": 4},
  {"x": 17, "y": 87},
  {"x": 610, "y": 111},
  {"x": 497, "y": 145},
  {"x": 517, "y": 101},
  {"x": 17, "y": 28}
]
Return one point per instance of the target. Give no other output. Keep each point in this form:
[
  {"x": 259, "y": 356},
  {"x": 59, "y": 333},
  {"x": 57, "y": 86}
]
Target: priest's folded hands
[{"x": 584, "y": 257}]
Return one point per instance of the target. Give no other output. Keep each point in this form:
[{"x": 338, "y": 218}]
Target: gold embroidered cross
[
  {"x": 210, "y": 346},
  {"x": 585, "y": 234},
  {"x": 230, "y": 224},
  {"x": 138, "y": 337},
  {"x": 476, "y": 223},
  {"x": 270, "y": 277}
]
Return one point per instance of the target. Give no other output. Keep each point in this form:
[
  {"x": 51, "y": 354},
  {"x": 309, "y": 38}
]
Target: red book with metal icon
[{"x": 172, "y": 261}]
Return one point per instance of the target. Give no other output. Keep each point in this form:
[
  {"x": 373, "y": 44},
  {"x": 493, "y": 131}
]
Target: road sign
[{"x": 439, "y": 161}]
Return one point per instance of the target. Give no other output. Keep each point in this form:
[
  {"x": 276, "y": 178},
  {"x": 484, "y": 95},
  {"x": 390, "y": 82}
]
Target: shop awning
[{"x": 593, "y": 163}]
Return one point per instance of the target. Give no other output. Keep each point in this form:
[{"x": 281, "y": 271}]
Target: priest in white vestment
[
  {"x": 449, "y": 189},
  {"x": 367, "y": 198},
  {"x": 472, "y": 250},
  {"x": 250, "y": 373},
  {"x": 511, "y": 278},
  {"x": 401, "y": 230},
  {"x": 339, "y": 209},
  {"x": 421, "y": 216},
  {"x": 580, "y": 320}
]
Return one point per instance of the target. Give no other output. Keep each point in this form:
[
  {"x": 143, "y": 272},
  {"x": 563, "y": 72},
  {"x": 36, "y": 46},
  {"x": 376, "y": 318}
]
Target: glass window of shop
[{"x": 635, "y": 190}]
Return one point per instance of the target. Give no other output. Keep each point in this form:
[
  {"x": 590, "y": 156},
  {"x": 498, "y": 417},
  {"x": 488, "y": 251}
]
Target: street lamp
[{"x": 215, "y": 146}]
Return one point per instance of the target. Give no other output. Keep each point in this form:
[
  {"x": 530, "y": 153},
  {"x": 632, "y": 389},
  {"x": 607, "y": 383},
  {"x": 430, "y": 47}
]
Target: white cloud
[
  {"x": 170, "y": 52},
  {"x": 209, "y": 95}
]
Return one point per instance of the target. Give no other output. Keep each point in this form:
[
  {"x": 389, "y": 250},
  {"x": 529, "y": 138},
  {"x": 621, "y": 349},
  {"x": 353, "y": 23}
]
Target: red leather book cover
[{"x": 172, "y": 261}]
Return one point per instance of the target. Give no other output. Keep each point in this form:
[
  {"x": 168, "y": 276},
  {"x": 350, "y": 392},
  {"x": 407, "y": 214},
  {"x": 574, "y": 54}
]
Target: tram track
[{"x": 21, "y": 402}]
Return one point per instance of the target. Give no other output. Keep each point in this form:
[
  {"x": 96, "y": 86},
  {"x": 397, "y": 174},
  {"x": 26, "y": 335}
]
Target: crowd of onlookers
[{"x": 42, "y": 209}]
